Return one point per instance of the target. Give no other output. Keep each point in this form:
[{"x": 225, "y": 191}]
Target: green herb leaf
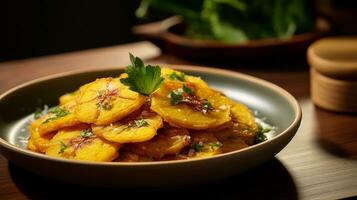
[
  {"x": 138, "y": 123},
  {"x": 142, "y": 79},
  {"x": 198, "y": 146},
  {"x": 176, "y": 97},
  {"x": 104, "y": 105},
  {"x": 215, "y": 145},
  {"x": 187, "y": 89},
  {"x": 206, "y": 106},
  {"x": 58, "y": 113},
  {"x": 261, "y": 137},
  {"x": 38, "y": 113},
  {"x": 62, "y": 148},
  {"x": 177, "y": 76},
  {"x": 86, "y": 133}
]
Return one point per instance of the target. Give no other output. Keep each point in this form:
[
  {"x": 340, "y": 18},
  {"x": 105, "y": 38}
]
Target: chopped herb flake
[
  {"x": 198, "y": 146},
  {"x": 38, "y": 113},
  {"x": 138, "y": 123},
  {"x": 187, "y": 90},
  {"x": 86, "y": 133},
  {"x": 176, "y": 97},
  {"x": 177, "y": 76},
  {"x": 62, "y": 148},
  {"x": 142, "y": 79},
  {"x": 186, "y": 95},
  {"x": 215, "y": 145},
  {"x": 261, "y": 137},
  {"x": 57, "y": 112},
  {"x": 206, "y": 106},
  {"x": 104, "y": 105}
]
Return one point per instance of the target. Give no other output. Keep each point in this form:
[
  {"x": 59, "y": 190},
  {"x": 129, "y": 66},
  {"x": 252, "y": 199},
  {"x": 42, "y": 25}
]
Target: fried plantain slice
[
  {"x": 126, "y": 155},
  {"x": 175, "y": 75},
  {"x": 37, "y": 142},
  {"x": 105, "y": 101},
  {"x": 68, "y": 97},
  {"x": 243, "y": 124},
  {"x": 79, "y": 143},
  {"x": 169, "y": 141},
  {"x": 242, "y": 115},
  {"x": 190, "y": 105},
  {"x": 135, "y": 128},
  {"x": 57, "y": 118}
]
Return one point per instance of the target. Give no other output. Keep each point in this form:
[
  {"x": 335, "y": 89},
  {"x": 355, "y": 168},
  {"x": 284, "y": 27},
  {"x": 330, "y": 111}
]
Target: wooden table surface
[{"x": 319, "y": 163}]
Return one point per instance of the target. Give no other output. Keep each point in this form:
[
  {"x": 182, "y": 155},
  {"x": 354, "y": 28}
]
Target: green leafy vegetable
[
  {"x": 57, "y": 112},
  {"x": 142, "y": 79},
  {"x": 62, "y": 148},
  {"x": 177, "y": 76},
  {"x": 86, "y": 133},
  {"x": 237, "y": 21}
]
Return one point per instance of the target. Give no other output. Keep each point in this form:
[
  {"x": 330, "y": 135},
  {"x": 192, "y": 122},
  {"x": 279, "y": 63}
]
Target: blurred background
[{"x": 37, "y": 28}]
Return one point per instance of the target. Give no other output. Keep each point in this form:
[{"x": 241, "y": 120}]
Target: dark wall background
[{"x": 41, "y": 27}]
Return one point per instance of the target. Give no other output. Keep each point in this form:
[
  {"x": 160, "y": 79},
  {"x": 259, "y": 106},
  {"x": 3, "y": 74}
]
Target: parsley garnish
[
  {"x": 105, "y": 106},
  {"x": 177, "y": 76},
  {"x": 86, "y": 133},
  {"x": 187, "y": 89},
  {"x": 142, "y": 79},
  {"x": 186, "y": 95},
  {"x": 58, "y": 113},
  {"x": 176, "y": 97},
  {"x": 198, "y": 146},
  {"x": 62, "y": 148},
  {"x": 212, "y": 146},
  {"x": 206, "y": 106},
  {"x": 261, "y": 137},
  {"x": 215, "y": 145},
  {"x": 138, "y": 123},
  {"x": 38, "y": 113}
]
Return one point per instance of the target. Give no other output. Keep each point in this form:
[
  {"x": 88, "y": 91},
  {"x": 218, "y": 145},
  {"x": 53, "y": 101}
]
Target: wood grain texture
[{"x": 319, "y": 163}]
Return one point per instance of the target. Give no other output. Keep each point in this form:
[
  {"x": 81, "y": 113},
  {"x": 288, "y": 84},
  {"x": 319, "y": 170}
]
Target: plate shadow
[{"x": 270, "y": 180}]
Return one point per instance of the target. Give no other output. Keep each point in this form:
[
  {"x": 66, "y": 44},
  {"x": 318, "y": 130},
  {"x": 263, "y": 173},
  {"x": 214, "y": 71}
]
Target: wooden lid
[{"x": 335, "y": 57}]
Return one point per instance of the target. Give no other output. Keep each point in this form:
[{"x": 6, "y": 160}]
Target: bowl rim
[{"x": 224, "y": 72}]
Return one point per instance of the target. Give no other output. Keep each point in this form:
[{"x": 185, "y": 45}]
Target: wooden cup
[{"x": 333, "y": 63}]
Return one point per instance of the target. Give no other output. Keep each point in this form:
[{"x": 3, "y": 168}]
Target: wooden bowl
[
  {"x": 333, "y": 64},
  {"x": 168, "y": 34}
]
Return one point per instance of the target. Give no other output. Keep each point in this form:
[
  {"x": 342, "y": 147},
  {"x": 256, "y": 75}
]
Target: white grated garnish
[{"x": 223, "y": 107}]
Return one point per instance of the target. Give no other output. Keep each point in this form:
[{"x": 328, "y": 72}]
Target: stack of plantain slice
[{"x": 106, "y": 120}]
